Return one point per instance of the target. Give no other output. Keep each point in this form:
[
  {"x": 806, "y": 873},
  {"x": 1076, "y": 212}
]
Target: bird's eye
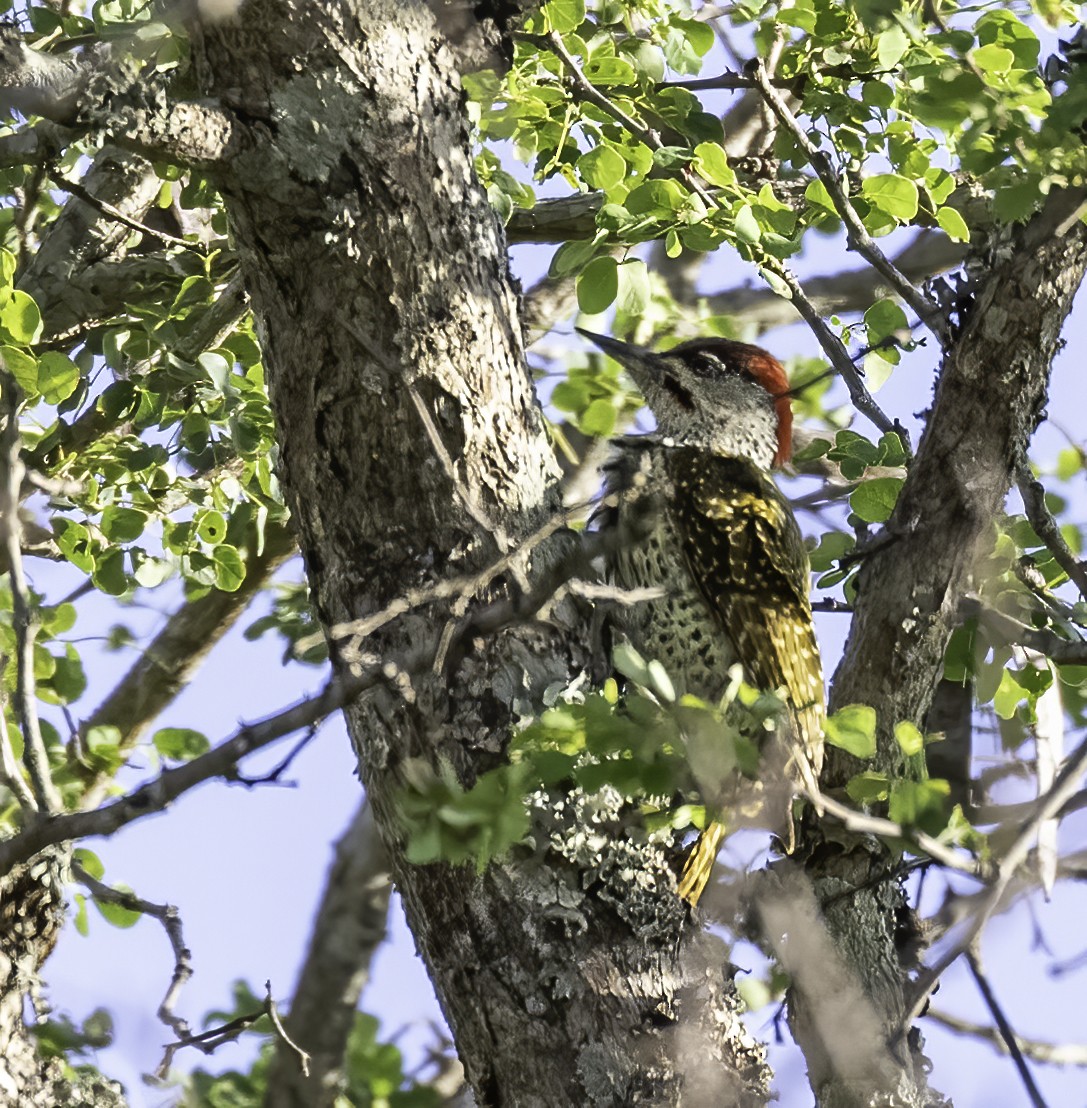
[
  {"x": 708, "y": 365},
  {"x": 681, "y": 395}
]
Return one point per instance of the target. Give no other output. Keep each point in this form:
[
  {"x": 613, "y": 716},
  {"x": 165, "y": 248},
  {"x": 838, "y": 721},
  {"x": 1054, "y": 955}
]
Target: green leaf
[
  {"x": 210, "y": 526},
  {"x": 1017, "y": 201},
  {"x": 909, "y": 738},
  {"x": 216, "y": 367},
  {"x": 894, "y": 195},
  {"x": 883, "y": 319},
  {"x": 868, "y": 788},
  {"x": 853, "y": 729},
  {"x": 993, "y": 59},
  {"x": 747, "y": 225},
  {"x": 20, "y": 319},
  {"x": 953, "y": 224},
  {"x": 58, "y": 377},
  {"x": 69, "y": 681},
  {"x": 660, "y": 198},
  {"x": 82, "y": 923},
  {"x": 699, "y": 35},
  {"x": 711, "y": 163},
  {"x": 604, "y": 70},
  {"x": 180, "y": 744},
  {"x": 816, "y": 194},
  {"x": 853, "y": 453},
  {"x": 1008, "y": 696},
  {"x": 23, "y": 367},
  {"x": 75, "y": 543},
  {"x": 832, "y": 546},
  {"x": 602, "y": 168},
  {"x": 102, "y": 745},
  {"x": 598, "y": 419},
  {"x": 633, "y": 292},
  {"x": 150, "y": 572},
  {"x": 109, "y": 572},
  {"x": 922, "y": 804},
  {"x": 570, "y": 257},
  {"x": 890, "y": 46},
  {"x": 89, "y": 861},
  {"x": 564, "y": 15},
  {"x": 874, "y": 501},
  {"x": 571, "y": 396},
  {"x": 229, "y": 568},
  {"x": 115, "y": 914},
  {"x": 123, "y": 524},
  {"x": 598, "y": 285}
]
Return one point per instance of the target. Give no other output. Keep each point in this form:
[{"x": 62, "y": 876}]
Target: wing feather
[{"x": 744, "y": 549}]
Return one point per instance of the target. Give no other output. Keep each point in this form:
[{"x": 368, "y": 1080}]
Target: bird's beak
[{"x": 635, "y": 358}]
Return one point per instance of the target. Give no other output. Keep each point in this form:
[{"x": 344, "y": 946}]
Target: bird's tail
[{"x": 699, "y": 863}]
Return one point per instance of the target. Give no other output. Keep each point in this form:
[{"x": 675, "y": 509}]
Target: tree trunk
[{"x": 379, "y": 279}]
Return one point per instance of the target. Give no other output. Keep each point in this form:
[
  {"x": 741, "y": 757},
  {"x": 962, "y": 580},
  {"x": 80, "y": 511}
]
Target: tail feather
[{"x": 699, "y": 863}]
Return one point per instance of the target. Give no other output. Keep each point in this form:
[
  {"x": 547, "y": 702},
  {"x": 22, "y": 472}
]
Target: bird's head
[{"x": 716, "y": 394}]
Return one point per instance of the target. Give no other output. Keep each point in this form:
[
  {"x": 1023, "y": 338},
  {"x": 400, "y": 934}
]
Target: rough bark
[{"x": 376, "y": 270}]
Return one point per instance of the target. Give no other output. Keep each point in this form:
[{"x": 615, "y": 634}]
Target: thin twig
[
  {"x": 1064, "y": 788},
  {"x": 1008, "y": 628},
  {"x": 35, "y": 756},
  {"x": 207, "y": 1042},
  {"x": 864, "y": 823},
  {"x": 108, "y": 210},
  {"x": 339, "y": 691},
  {"x": 831, "y": 344},
  {"x": 273, "y": 775},
  {"x": 162, "y": 790},
  {"x": 590, "y": 92},
  {"x": 1054, "y": 1054},
  {"x": 168, "y": 916},
  {"x": 727, "y": 81},
  {"x": 838, "y": 356},
  {"x": 1047, "y": 529},
  {"x": 466, "y": 586},
  {"x": 857, "y": 233},
  {"x": 12, "y": 778},
  {"x": 281, "y": 1031},
  {"x": 1006, "y": 1031}
]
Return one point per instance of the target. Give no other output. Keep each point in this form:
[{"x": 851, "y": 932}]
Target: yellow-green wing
[{"x": 745, "y": 550}]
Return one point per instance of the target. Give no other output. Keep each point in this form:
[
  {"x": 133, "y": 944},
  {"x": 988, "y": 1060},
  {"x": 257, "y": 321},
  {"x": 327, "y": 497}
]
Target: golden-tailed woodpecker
[{"x": 708, "y": 525}]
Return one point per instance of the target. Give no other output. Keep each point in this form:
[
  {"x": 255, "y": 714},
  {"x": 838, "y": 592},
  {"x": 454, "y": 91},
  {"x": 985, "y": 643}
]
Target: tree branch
[
  {"x": 1006, "y": 1031},
  {"x": 170, "y": 918},
  {"x": 852, "y": 290},
  {"x": 35, "y": 755},
  {"x": 910, "y": 585},
  {"x": 1054, "y": 1054},
  {"x": 857, "y": 233},
  {"x": 1041, "y": 519},
  {"x": 349, "y": 927}
]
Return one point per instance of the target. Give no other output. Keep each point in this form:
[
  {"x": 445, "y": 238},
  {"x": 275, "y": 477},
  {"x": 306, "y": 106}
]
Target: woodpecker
[{"x": 708, "y": 525}]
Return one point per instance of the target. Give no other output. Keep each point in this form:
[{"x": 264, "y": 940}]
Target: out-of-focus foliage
[{"x": 373, "y": 1070}]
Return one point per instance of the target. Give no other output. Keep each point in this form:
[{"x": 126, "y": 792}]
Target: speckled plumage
[{"x": 707, "y": 523}]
